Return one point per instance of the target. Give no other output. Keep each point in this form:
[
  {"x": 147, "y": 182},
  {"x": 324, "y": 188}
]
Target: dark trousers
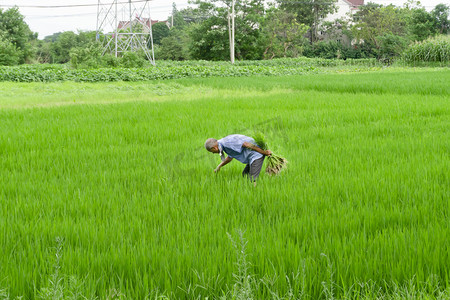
[{"x": 252, "y": 170}]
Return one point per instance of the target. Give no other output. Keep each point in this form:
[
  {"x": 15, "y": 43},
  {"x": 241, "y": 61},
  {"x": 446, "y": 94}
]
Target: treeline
[{"x": 284, "y": 29}]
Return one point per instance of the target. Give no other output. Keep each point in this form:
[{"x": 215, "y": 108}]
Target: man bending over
[{"x": 242, "y": 148}]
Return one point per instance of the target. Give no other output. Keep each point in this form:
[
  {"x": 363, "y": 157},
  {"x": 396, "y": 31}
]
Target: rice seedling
[
  {"x": 275, "y": 163},
  {"x": 120, "y": 175}
]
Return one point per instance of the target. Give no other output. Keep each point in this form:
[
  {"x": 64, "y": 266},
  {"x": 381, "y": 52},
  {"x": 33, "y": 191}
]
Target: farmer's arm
[
  {"x": 256, "y": 148},
  {"x": 226, "y": 161}
]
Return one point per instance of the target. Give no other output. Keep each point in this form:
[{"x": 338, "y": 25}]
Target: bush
[
  {"x": 391, "y": 46},
  {"x": 9, "y": 54},
  {"x": 174, "y": 47},
  {"x": 132, "y": 60},
  {"x": 111, "y": 61},
  {"x": 431, "y": 50},
  {"x": 89, "y": 56}
]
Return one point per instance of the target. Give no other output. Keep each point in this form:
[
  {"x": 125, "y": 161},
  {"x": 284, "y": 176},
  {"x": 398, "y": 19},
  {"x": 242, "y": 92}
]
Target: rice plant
[
  {"x": 118, "y": 172},
  {"x": 275, "y": 163}
]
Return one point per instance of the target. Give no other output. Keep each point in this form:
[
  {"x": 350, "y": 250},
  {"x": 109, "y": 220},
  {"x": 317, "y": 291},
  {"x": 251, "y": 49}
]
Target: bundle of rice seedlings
[{"x": 275, "y": 163}]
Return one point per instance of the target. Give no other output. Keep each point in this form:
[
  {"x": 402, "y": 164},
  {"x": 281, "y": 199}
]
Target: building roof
[
  {"x": 126, "y": 24},
  {"x": 356, "y": 2}
]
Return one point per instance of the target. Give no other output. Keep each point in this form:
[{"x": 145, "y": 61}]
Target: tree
[
  {"x": 284, "y": 35},
  {"x": 177, "y": 19},
  {"x": 43, "y": 53},
  {"x": 213, "y": 31},
  {"x": 52, "y": 37},
  {"x": 421, "y": 24},
  {"x": 9, "y": 54},
  {"x": 14, "y": 29},
  {"x": 66, "y": 41},
  {"x": 365, "y": 10},
  {"x": 390, "y": 46},
  {"x": 377, "y": 22},
  {"x": 60, "y": 49},
  {"x": 441, "y": 22},
  {"x": 210, "y": 40},
  {"x": 175, "y": 46},
  {"x": 160, "y": 30},
  {"x": 309, "y": 12},
  {"x": 86, "y": 56}
]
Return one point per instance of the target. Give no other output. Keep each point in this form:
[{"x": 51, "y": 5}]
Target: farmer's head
[{"x": 212, "y": 146}]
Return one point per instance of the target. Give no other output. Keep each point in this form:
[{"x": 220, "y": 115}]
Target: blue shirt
[{"x": 232, "y": 145}]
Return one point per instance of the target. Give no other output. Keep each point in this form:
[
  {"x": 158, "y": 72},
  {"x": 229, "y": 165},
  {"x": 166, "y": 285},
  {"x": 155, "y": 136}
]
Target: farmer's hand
[
  {"x": 268, "y": 153},
  {"x": 216, "y": 170}
]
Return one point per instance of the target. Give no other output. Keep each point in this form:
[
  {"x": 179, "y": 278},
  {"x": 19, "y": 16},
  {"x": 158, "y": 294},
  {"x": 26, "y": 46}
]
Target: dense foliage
[
  {"x": 202, "y": 32},
  {"x": 15, "y": 38},
  {"x": 431, "y": 50},
  {"x": 170, "y": 70}
]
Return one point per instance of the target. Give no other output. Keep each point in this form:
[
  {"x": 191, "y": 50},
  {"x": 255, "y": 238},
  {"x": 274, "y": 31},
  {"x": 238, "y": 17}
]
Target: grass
[{"x": 121, "y": 179}]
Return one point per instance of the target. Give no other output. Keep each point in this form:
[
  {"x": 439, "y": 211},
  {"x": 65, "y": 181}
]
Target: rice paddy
[{"x": 106, "y": 190}]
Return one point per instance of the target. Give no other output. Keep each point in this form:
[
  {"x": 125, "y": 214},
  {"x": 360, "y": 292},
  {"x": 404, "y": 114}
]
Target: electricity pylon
[{"x": 125, "y": 25}]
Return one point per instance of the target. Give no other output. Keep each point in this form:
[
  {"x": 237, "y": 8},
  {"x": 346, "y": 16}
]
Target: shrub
[
  {"x": 109, "y": 60},
  {"x": 132, "y": 60},
  {"x": 391, "y": 46},
  {"x": 9, "y": 54},
  {"x": 431, "y": 50},
  {"x": 86, "y": 57}
]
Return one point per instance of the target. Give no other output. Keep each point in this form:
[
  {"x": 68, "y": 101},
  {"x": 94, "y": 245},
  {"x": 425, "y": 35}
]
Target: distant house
[
  {"x": 124, "y": 25},
  {"x": 345, "y": 9}
]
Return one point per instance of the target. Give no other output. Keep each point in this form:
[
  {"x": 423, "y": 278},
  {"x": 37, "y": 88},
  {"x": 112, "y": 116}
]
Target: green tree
[
  {"x": 210, "y": 40},
  {"x": 421, "y": 24},
  {"x": 175, "y": 46},
  {"x": 60, "y": 49},
  {"x": 43, "y": 52},
  {"x": 365, "y": 10},
  {"x": 9, "y": 54},
  {"x": 53, "y": 37},
  {"x": 309, "y": 12},
  {"x": 66, "y": 41},
  {"x": 160, "y": 30},
  {"x": 213, "y": 32},
  {"x": 284, "y": 34},
  {"x": 377, "y": 22},
  {"x": 390, "y": 46},
  {"x": 440, "y": 14},
  {"x": 14, "y": 29},
  {"x": 86, "y": 56},
  {"x": 338, "y": 30},
  {"x": 178, "y": 18}
]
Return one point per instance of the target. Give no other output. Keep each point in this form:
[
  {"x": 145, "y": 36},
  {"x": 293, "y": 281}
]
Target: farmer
[{"x": 241, "y": 147}]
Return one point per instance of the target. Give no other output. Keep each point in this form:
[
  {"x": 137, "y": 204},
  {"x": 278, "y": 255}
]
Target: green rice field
[{"x": 106, "y": 190}]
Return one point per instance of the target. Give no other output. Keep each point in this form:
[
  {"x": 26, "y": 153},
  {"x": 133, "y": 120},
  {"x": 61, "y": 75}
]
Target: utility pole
[
  {"x": 229, "y": 33},
  {"x": 231, "y": 28}
]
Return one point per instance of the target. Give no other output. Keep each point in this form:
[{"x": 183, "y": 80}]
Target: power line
[
  {"x": 69, "y": 6},
  {"x": 158, "y": 8},
  {"x": 60, "y": 16},
  {"x": 81, "y": 14}
]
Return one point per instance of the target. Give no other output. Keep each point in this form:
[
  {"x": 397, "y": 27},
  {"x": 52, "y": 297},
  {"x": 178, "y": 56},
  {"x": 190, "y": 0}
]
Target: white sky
[{"x": 47, "y": 21}]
